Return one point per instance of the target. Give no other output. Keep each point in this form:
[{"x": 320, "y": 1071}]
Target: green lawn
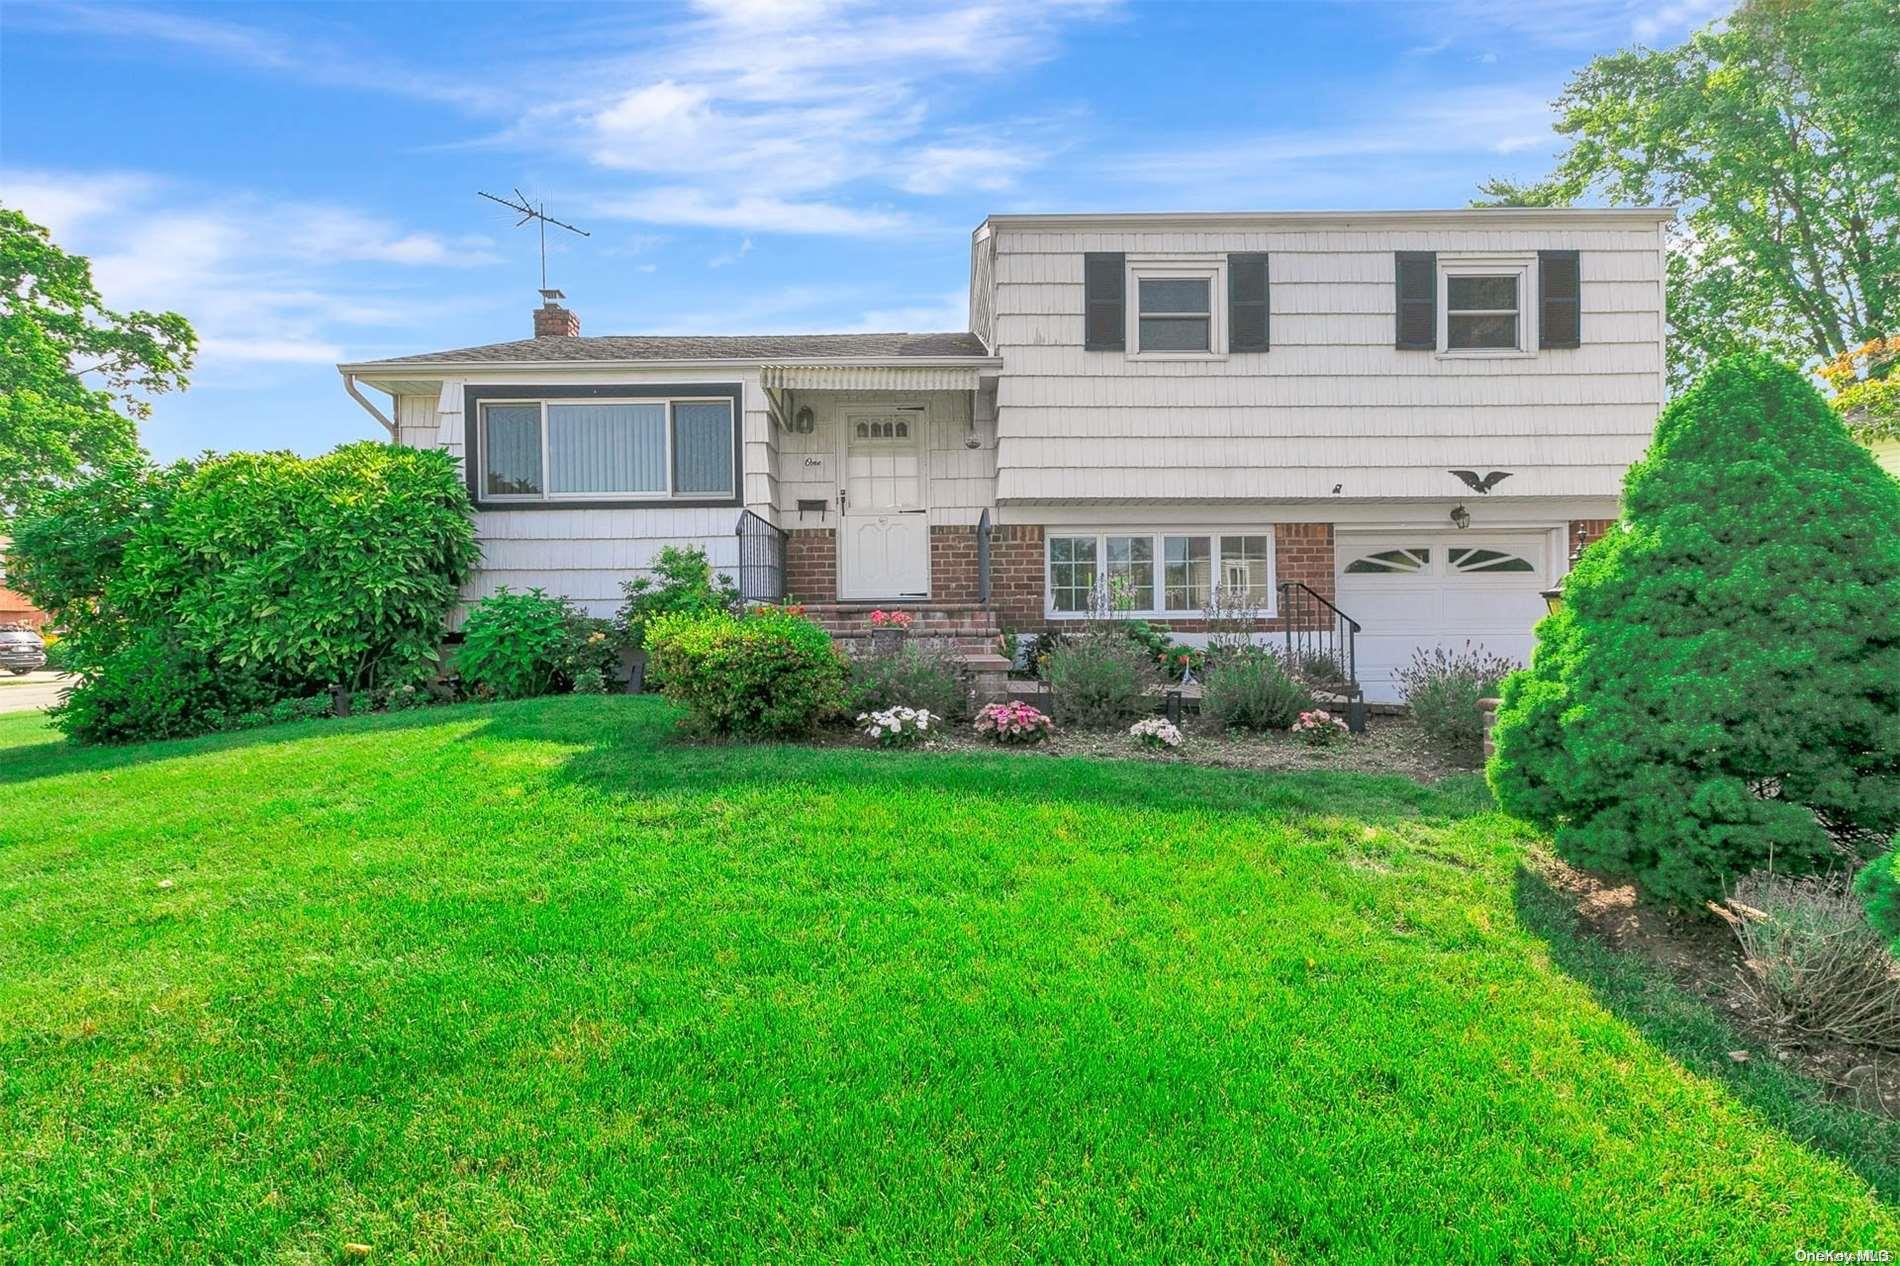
[{"x": 536, "y": 983}]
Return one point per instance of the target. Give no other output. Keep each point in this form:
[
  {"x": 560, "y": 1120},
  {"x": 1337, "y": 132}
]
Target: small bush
[
  {"x": 1013, "y": 722},
  {"x": 682, "y": 582},
  {"x": 914, "y": 676},
  {"x": 768, "y": 673},
  {"x": 1442, "y": 689},
  {"x": 516, "y": 645},
  {"x": 1812, "y": 967},
  {"x": 1250, "y": 689},
  {"x": 1879, "y": 889},
  {"x": 1100, "y": 680},
  {"x": 590, "y": 681}
]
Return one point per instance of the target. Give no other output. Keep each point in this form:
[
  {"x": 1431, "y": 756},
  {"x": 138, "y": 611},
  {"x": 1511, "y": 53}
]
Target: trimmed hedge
[
  {"x": 767, "y": 673},
  {"x": 1722, "y": 689}
]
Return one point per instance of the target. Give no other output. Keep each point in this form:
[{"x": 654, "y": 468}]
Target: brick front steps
[{"x": 971, "y": 631}]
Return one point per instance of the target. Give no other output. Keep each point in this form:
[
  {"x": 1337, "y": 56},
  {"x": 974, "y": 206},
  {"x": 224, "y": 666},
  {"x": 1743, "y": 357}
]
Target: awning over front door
[{"x": 869, "y": 377}]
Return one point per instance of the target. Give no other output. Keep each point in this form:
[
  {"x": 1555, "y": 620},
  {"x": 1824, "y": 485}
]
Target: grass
[{"x": 535, "y": 983}]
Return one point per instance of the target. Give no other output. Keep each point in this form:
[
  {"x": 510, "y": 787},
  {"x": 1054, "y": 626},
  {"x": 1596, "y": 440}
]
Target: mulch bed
[
  {"x": 1702, "y": 956},
  {"x": 1390, "y": 745}
]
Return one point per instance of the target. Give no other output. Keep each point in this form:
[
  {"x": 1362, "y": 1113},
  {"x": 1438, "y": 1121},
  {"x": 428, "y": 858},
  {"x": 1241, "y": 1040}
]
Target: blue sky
[{"x": 299, "y": 180}]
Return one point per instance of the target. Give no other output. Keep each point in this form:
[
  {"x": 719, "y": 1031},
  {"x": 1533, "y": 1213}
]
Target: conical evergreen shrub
[{"x": 1721, "y": 692}]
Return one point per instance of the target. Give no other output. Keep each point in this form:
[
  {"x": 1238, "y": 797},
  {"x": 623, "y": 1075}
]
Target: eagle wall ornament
[{"x": 1484, "y": 485}]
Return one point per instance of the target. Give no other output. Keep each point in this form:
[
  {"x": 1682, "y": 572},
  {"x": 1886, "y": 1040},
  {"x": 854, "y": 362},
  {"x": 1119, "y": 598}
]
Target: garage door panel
[{"x": 1473, "y": 589}]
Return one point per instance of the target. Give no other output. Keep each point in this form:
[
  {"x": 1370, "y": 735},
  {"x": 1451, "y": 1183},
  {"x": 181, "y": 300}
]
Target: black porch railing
[
  {"x": 983, "y": 559},
  {"x": 761, "y": 559},
  {"x": 1322, "y": 646}
]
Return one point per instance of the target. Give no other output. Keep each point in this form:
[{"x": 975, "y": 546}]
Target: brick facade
[
  {"x": 1016, "y": 576},
  {"x": 811, "y": 565},
  {"x": 15, "y": 609},
  {"x": 1584, "y": 531},
  {"x": 953, "y": 567}
]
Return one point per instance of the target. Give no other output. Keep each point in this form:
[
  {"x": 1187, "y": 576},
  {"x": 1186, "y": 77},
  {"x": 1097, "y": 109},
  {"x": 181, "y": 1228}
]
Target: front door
[{"x": 884, "y": 539}]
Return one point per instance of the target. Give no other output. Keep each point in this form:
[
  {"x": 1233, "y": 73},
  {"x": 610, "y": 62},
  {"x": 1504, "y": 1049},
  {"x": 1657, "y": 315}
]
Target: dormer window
[
  {"x": 1481, "y": 311},
  {"x": 1177, "y": 314}
]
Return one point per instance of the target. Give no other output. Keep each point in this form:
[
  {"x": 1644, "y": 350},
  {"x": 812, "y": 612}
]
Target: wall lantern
[
  {"x": 1554, "y": 598},
  {"x": 1461, "y": 517},
  {"x": 804, "y": 422}
]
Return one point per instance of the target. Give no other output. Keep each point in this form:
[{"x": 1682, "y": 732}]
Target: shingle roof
[{"x": 742, "y": 347}]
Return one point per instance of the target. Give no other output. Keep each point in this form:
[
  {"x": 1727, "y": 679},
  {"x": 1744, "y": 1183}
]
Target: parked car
[{"x": 22, "y": 650}]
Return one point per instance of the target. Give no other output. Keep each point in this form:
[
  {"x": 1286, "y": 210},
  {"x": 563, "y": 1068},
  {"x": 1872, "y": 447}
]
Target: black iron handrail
[
  {"x": 1322, "y": 643},
  {"x": 983, "y": 559},
  {"x": 761, "y": 559}
]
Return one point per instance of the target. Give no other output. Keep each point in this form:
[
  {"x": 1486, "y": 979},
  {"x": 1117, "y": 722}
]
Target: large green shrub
[
  {"x": 1722, "y": 690},
  {"x": 1249, "y": 688},
  {"x": 766, "y": 673},
  {"x": 1879, "y": 890},
  {"x": 515, "y": 645},
  {"x": 1100, "y": 680},
  {"x": 681, "y": 580},
  {"x": 267, "y": 575}
]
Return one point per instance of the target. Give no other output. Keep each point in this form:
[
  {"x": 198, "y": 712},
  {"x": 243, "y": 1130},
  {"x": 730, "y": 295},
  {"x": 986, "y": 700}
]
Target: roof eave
[
  {"x": 401, "y": 368},
  {"x": 1295, "y": 219}
]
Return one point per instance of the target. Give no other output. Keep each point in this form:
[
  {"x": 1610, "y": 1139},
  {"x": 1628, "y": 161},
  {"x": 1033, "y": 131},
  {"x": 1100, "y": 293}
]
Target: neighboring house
[
  {"x": 1274, "y": 403},
  {"x": 1887, "y": 453},
  {"x": 14, "y": 607}
]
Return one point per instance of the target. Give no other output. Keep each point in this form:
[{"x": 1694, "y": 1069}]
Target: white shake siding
[
  {"x": 587, "y": 555},
  {"x": 1333, "y": 403},
  {"x": 961, "y": 479}
]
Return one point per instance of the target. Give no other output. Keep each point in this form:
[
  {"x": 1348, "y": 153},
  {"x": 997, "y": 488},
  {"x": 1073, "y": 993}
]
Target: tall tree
[
  {"x": 1778, "y": 133},
  {"x": 74, "y": 374}
]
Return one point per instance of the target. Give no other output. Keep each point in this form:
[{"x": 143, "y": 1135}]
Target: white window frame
[
  {"x": 1521, "y": 266},
  {"x": 548, "y": 497},
  {"x": 1158, "y": 538},
  {"x": 1212, "y": 270}
]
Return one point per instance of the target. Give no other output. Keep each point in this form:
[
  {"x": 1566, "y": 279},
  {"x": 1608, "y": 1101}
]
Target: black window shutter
[
  {"x": 1559, "y": 299},
  {"x": 1247, "y": 302},
  {"x": 1417, "y": 279},
  {"x": 1104, "y": 322}
]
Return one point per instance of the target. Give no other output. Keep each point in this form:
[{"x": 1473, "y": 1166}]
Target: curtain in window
[
  {"x": 511, "y": 450},
  {"x": 702, "y": 447},
  {"x": 607, "y": 448}
]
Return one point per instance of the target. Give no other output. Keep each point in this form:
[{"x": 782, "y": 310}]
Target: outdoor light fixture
[
  {"x": 804, "y": 422},
  {"x": 1461, "y": 517},
  {"x": 1554, "y": 598}
]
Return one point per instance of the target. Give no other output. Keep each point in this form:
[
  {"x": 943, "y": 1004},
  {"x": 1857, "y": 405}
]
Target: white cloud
[
  {"x": 731, "y": 257},
  {"x": 943, "y": 168},
  {"x": 950, "y": 312},
  {"x": 261, "y": 279},
  {"x": 686, "y": 205},
  {"x": 1472, "y": 121}
]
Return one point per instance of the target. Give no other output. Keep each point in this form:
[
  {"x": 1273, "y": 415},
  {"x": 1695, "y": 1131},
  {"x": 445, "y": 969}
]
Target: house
[
  {"x": 1400, "y": 422},
  {"x": 15, "y": 608}
]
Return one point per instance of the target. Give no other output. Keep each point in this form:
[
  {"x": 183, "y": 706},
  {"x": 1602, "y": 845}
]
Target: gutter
[
  {"x": 1468, "y": 216},
  {"x": 349, "y": 385},
  {"x": 468, "y": 368}
]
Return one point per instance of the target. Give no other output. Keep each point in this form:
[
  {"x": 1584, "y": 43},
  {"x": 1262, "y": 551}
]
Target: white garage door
[{"x": 1424, "y": 589}]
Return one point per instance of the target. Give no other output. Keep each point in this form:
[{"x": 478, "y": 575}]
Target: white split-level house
[{"x": 1273, "y": 403}]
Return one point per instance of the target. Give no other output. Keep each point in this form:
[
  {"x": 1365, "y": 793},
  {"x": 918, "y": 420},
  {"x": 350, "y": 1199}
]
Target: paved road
[{"x": 31, "y": 692}]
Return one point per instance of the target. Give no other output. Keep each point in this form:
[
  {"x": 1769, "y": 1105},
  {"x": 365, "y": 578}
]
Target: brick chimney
[{"x": 551, "y": 320}]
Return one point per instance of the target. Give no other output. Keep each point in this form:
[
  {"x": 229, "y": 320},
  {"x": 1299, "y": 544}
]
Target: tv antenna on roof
[{"x": 539, "y": 214}]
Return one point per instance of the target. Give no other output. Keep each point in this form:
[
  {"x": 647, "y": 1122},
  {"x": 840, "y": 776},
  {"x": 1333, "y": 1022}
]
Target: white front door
[
  {"x": 1418, "y": 590},
  {"x": 884, "y": 537}
]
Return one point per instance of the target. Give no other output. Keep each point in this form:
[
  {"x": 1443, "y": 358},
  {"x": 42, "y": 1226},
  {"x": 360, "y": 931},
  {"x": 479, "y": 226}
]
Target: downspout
[{"x": 349, "y": 385}]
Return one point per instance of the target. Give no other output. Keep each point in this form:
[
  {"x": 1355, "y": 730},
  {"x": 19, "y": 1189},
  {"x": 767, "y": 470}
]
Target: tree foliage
[
  {"x": 194, "y": 591},
  {"x": 1866, "y": 389},
  {"x": 74, "y": 375},
  {"x": 1778, "y": 133},
  {"x": 1722, "y": 689}
]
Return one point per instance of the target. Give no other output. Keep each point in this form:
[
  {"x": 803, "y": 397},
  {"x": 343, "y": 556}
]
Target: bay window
[
  {"x": 605, "y": 449},
  {"x": 1157, "y": 573}
]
